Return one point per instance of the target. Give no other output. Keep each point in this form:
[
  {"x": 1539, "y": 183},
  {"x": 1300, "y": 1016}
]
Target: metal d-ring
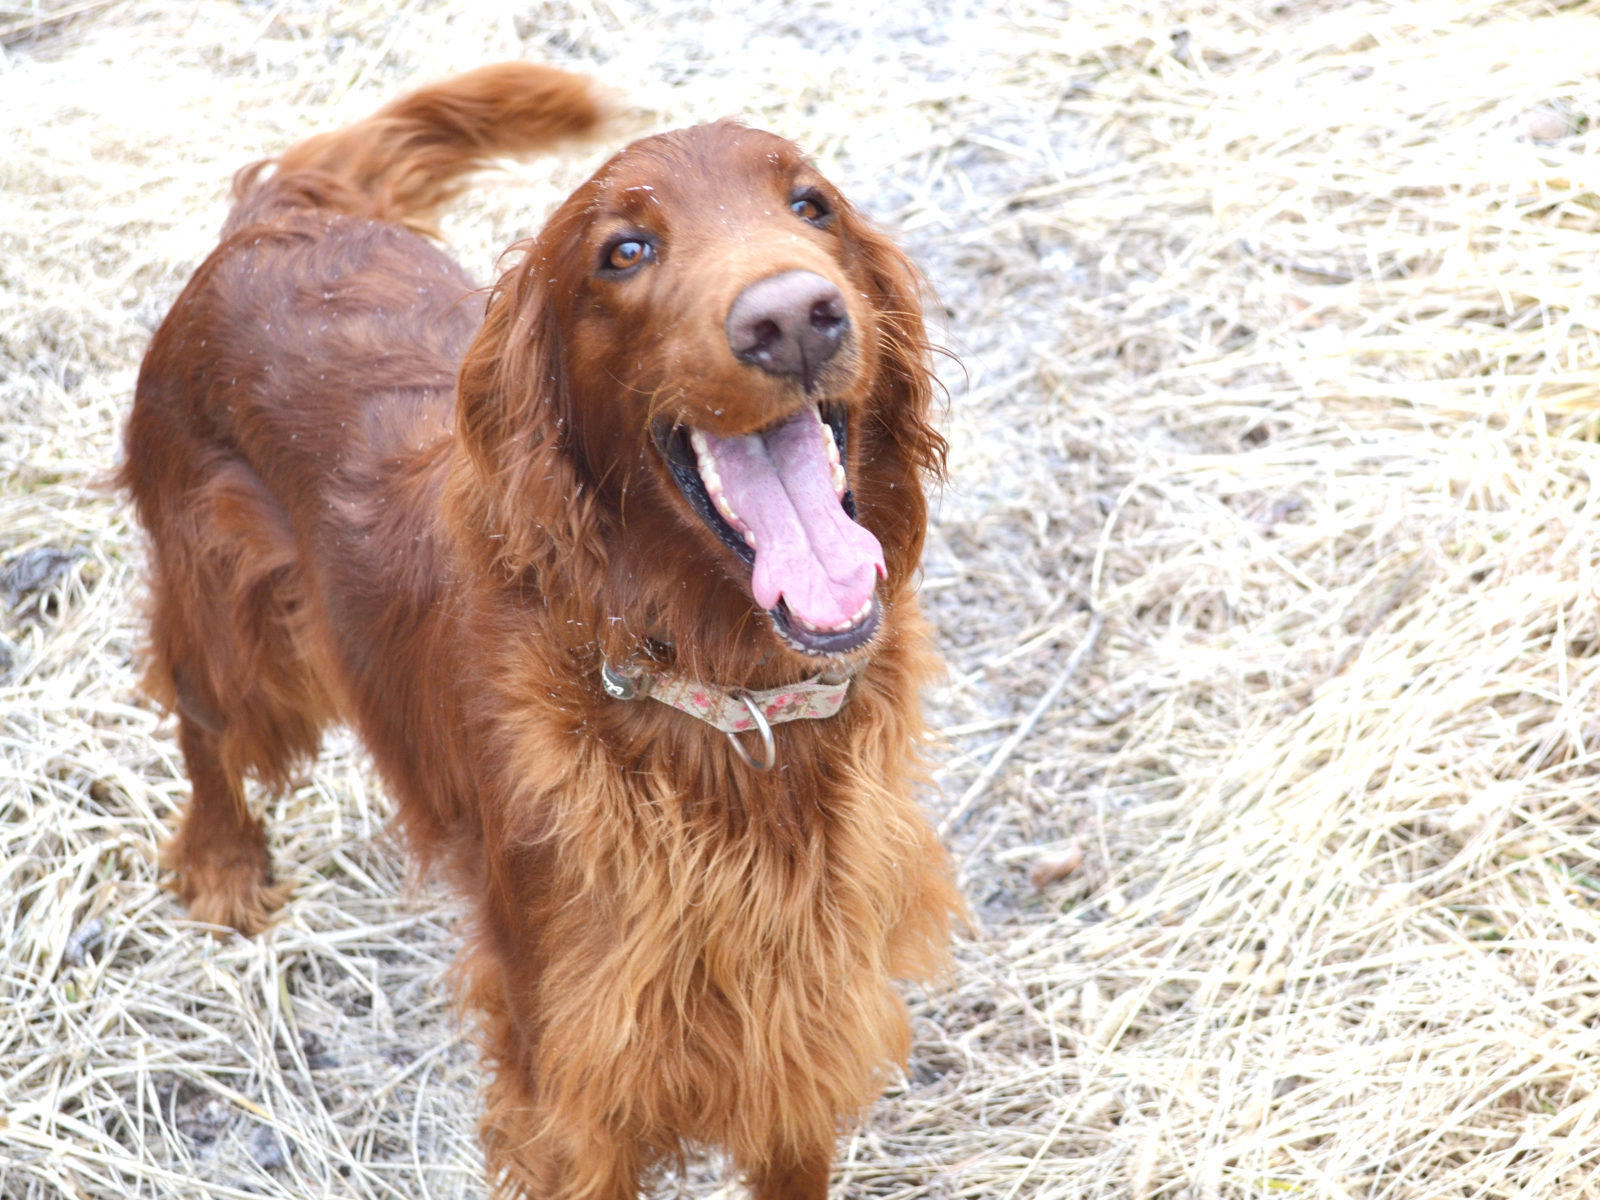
[
  {"x": 617, "y": 685},
  {"x": 760, "y": 718}
]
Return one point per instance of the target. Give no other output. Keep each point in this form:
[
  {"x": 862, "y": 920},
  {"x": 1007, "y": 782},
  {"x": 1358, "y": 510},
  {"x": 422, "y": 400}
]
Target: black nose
[{"x": 788, "y": 324}]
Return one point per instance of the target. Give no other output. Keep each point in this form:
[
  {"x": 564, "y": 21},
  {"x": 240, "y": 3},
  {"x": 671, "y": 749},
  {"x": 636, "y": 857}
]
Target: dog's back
[
  {"x": 316, "y": 266},
  {"x": 290, "y": 409}
]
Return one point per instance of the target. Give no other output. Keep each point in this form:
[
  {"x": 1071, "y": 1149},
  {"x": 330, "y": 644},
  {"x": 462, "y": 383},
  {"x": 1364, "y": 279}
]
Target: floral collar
[{"x": 737, "y": 710}]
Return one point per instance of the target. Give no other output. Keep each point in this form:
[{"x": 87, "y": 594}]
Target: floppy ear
[
  {"x": 904, "y": 389},
  {"x": 899, "y": 446},
  {"x": 517, "y": 492}
]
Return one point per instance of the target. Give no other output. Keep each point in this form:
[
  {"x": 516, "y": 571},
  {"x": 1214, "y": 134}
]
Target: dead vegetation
[{"x": 1267, "y": 576}]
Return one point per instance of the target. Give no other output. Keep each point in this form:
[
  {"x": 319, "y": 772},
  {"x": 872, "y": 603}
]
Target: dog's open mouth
[{"x": 780, "y": 500}]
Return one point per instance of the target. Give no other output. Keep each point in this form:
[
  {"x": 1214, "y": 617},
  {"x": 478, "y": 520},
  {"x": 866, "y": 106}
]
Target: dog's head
[{"x": 714, "y": 363}]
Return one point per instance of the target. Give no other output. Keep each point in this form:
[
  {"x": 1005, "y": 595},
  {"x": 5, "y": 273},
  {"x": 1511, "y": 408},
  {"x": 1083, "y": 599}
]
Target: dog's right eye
[{"x": 627, "y": 253}]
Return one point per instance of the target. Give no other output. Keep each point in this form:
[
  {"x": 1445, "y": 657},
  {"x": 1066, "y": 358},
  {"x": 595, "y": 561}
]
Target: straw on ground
[{"x": 1278, "y": 335}]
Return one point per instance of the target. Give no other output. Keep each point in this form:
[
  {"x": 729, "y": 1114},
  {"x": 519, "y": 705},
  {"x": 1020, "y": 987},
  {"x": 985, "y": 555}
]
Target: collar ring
[{"x": 769, "y": 752}]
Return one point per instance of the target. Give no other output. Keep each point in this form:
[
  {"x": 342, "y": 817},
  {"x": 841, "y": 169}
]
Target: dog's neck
[{"x": 734, "y": 711}]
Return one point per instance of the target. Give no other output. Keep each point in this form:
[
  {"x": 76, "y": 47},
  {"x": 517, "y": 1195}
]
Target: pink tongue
[{"x": 808, "y": 551}]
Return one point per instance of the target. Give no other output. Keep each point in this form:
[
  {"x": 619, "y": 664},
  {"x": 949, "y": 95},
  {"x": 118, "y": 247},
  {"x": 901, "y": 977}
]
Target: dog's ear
[
  {"x": 900, "y": 447},
  {"x": 905, "y": 381},
  {"x": 518, "y": 493}
]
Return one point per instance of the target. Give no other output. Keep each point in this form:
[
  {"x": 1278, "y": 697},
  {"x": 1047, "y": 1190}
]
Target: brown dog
[{"x": 550, "y": 559}]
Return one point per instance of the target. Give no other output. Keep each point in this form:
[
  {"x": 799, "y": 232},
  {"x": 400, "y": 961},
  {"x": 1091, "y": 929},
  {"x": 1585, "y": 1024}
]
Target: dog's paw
[{"x": 234, "y": 889}]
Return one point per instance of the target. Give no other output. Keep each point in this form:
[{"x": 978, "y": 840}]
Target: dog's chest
[{"x": 739, "y": 970}]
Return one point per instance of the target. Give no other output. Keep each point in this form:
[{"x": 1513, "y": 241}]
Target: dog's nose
[{"x": 788, "y": 324}]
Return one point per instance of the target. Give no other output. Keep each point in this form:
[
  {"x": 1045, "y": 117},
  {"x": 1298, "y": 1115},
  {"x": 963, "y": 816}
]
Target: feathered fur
[{"x": 369, "y": 498}]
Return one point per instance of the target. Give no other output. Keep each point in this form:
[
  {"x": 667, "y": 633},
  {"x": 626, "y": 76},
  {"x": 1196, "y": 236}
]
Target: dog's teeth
[
  {"x": 852, "y": 621},
  {"x": 750, "y": 538},
  {"x": 707, "y": 464},
  {"x": 712, "y": 479},
  {"x": 848, "y": 623},
  {"x": 831, "y": 449},
  {"x": 713, "y": 483}
]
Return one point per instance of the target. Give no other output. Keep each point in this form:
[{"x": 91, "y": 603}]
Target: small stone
[
  {"x": 1547, "y": 123},
  {"x": 33, "y": 571},
  {"x": 85, "y": 938},
  {"x": 1048, "y": 868},
  {"x": 266, "y": 1147}
]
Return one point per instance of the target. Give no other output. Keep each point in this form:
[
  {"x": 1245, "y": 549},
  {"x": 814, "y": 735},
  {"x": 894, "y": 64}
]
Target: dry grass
[{"x": 1280, "y": 327}]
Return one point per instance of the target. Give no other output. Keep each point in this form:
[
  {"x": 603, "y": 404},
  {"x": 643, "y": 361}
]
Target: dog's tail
[{"x": 410, "y": 158}]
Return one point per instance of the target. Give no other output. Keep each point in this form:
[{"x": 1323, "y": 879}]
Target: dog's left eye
[
  {"x": 626, "y": 254},
  {"x": 809, "y": 206}
]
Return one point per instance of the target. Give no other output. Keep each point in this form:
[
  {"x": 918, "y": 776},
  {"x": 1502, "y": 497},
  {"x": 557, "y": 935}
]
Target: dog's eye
[
  {"x": 627, "y": 253},
  {"x": 809, "y": 206}
]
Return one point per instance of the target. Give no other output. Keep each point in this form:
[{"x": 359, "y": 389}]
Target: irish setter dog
[{"x": 570, "y": 558}]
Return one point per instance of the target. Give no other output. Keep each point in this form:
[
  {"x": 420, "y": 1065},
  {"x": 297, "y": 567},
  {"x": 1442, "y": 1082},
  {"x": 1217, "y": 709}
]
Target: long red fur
[{"x": 372, "y": 499}]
